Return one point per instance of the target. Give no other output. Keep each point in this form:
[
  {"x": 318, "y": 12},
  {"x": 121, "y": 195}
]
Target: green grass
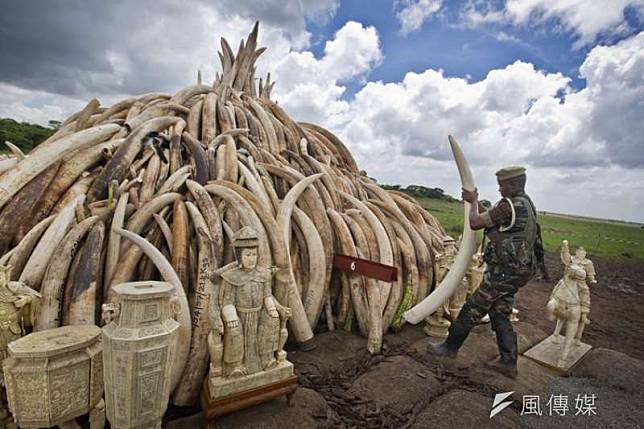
[
  {"x": 599, "y": 237},
  {"x": 448, "y": 213},
  {"x": 24, "y": 135}
]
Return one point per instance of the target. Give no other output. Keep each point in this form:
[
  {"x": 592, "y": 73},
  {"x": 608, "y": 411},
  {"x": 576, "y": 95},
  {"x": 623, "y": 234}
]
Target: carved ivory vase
[
  {"x": 139, "y": 348},
  {"x": 54, "y": 376}
]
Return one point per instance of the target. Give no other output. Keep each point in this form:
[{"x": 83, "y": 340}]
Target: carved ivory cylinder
[
  {"x": 55, "y": 375},
  {"x": 139, "y": 350}
]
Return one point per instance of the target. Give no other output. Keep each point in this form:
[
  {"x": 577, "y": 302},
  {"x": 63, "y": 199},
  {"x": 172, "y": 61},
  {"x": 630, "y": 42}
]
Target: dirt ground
[{"x": 616, "y": 308}]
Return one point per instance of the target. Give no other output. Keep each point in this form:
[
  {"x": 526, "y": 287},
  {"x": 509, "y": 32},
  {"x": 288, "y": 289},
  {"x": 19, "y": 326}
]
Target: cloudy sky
[{"x": 556, "y": 85}]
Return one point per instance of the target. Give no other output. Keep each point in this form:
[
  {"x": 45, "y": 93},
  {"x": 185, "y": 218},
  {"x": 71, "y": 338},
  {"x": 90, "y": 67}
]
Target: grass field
[{"x": 606, "y": 238}]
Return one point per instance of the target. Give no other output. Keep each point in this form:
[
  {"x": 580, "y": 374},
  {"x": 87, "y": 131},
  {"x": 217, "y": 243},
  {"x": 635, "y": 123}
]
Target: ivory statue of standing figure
[
  {"x": 475, "y": 273},
  {"x": 18, "y": 304},
  {"x": 457, "y": 300},
  {"x": 579, "y": 258},
  {"x": 569, "y": 302},
  {"x": 249, "y": 329},
  {"x": 437, "y": 324}
]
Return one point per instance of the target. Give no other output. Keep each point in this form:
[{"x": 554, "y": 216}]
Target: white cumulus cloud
[
  {"x": 414, "y": 116},
  {"x": 34, "y": 106},
  {"x": 413, "y": 13},
  {"x": 311, "y": 88},
  {"x": 516, "y": 115},
  {"x": 587, "y": 19}
]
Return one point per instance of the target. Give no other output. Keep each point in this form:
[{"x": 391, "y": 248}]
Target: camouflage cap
[
  {"x": 245, "y": 237},
  {"x": 510, "y": 172}
]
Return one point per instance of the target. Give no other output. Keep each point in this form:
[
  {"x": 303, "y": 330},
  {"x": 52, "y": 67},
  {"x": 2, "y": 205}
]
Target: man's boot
[
  {"x": 507, "y": 362},
  {"x": 458, "y": 332}
]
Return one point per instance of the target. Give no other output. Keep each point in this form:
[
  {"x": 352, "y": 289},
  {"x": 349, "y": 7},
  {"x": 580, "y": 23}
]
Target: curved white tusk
[
  {"x": 314, "y": 299},
  {"x": 34, "y": 269},
  {"x": 114, "y": 240},
  {"x": 15, "y": 150},
  {"x": 287, "y": 204},
  {"x": 468, "y": 246}
]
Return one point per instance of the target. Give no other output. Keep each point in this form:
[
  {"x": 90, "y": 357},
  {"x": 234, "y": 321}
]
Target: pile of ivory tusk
[{"x": 92, "y": 207}]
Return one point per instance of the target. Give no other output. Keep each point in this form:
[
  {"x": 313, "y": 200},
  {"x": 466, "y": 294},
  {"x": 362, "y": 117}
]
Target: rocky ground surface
[{"x": 341, "y": 385}]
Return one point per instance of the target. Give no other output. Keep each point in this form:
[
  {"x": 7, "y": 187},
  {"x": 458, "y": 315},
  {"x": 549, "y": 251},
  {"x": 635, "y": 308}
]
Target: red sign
[{"x": 374, "y": 270}]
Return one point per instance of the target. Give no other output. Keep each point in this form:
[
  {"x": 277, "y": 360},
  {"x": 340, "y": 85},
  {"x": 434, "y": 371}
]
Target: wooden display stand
[{"x": 213, "y": 408}]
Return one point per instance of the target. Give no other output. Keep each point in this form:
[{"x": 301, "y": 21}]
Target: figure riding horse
[{"x": 566, "y": 303}]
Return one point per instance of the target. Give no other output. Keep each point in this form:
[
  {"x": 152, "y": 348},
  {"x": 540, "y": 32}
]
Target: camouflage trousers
[{"x": 495, "y": 297}]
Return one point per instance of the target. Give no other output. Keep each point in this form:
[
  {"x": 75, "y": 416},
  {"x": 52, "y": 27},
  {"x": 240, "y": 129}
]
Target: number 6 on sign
[{"x": 367, "y": 268}]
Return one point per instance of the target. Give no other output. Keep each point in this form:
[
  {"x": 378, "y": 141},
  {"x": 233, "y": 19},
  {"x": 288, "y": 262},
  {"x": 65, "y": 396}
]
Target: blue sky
[
  {"x": 443, "y": 42},
  {"x": 555, "y": 85}
]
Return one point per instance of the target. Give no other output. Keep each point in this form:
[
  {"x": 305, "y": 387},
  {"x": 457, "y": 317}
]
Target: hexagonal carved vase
[
  {"x": 139, "y": 348},
  {"x": 55, "y": 375}
]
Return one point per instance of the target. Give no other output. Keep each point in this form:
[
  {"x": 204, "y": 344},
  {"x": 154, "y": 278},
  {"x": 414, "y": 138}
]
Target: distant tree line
[
  {"x": 23, "y": 134},
  {"x": 418, "y": 191}
]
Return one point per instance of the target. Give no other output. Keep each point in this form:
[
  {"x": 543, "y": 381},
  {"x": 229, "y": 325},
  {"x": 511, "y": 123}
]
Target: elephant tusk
[
  {"x": 50, "y": 314},
  {"x": 468, "y": 246},
  {"x": 15, "y": 150}
]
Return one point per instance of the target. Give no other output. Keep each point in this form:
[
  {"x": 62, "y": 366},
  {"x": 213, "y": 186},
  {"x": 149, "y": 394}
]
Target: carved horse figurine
[{"x": 565, "y": 305}]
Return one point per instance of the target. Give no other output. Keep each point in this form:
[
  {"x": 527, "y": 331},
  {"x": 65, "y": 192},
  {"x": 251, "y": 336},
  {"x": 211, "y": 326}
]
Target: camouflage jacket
[{"x": 514, "y": 236}]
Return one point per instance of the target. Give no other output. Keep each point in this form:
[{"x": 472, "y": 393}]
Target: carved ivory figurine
[
  {"x": 437, "y": 324},
  {"x": 580, "y": 259},
  {"x": 18, "y": 304},
  {"x": 475, "y": 273},
  {"x": 569, "y": 302},
  {"x": 249, "y": 330},
  {"x": 457, "y": 300}
]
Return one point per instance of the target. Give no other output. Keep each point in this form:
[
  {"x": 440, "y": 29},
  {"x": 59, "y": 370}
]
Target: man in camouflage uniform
[{"x": 513, "y": 249}]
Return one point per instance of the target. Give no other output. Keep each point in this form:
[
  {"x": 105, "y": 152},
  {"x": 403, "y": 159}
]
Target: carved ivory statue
[
  {"x": 18, "y": 304},
  {"x": 475, "y": 273},
  {"x": 247, "y": 362},
  {"x": 437, "y": 324},
  {"x": 569, "y": 302},
  {"x": 580, "y": 259},
  {"x": 249, "y": 330},
  {"x": 457, "y": 300}
]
